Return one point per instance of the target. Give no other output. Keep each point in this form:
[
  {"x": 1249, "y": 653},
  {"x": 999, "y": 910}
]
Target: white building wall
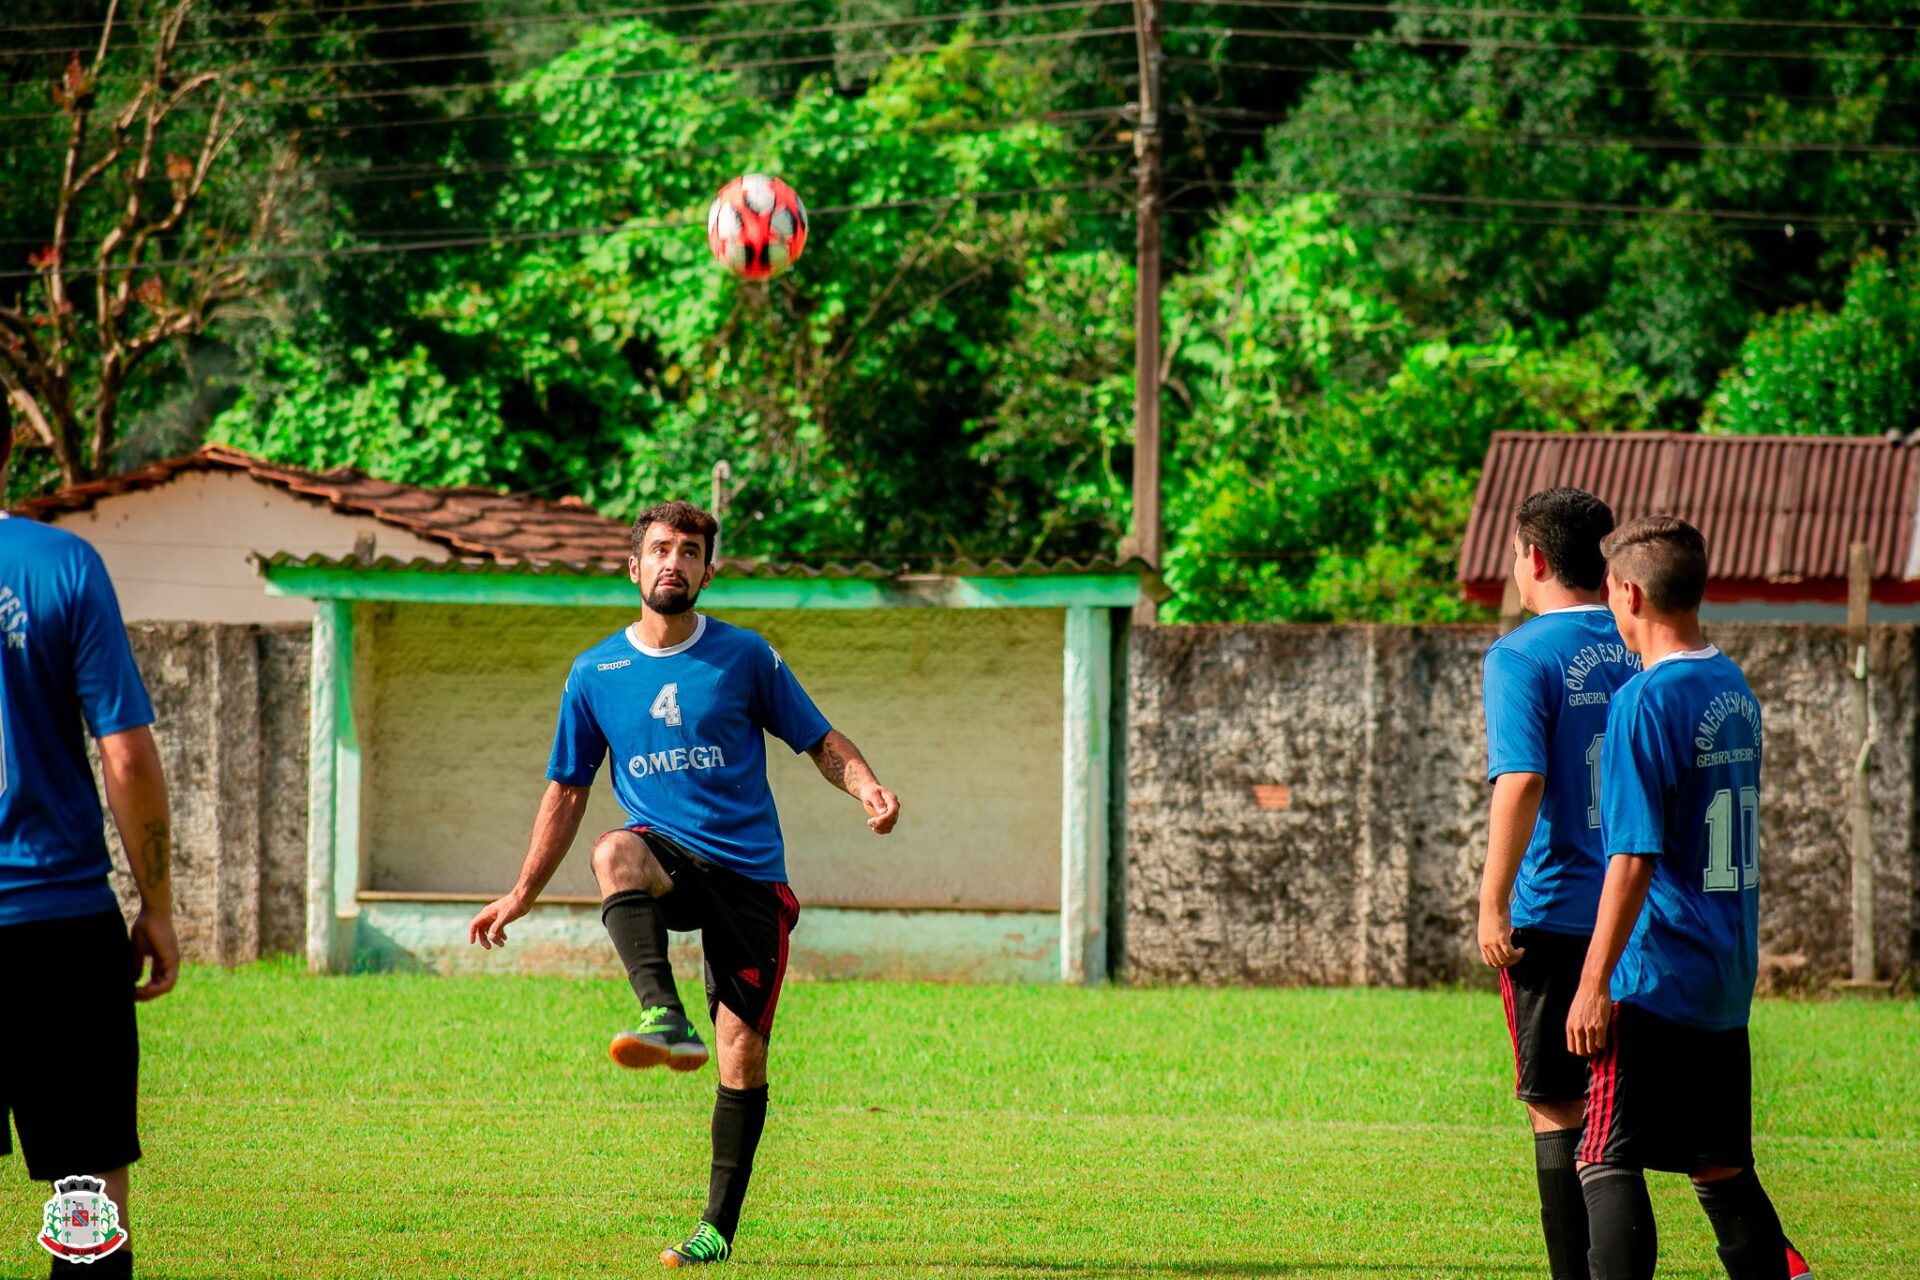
[
  {"x": 958, "y": 710},
  {"x": 178, "y": 551}
]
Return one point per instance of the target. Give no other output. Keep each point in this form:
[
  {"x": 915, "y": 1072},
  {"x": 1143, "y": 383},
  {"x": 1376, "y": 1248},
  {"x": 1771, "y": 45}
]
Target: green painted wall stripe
[{"x": 1118, "y": 591}]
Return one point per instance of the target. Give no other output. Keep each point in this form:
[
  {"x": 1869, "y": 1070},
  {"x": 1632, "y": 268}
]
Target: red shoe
[{"x": 1797, "y": 1268}]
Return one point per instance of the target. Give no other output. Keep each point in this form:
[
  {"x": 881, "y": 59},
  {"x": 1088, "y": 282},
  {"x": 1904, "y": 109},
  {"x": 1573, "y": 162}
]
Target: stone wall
[
  {"x": 1308, "y": 804},
  {"x": 230, "y": 702}
]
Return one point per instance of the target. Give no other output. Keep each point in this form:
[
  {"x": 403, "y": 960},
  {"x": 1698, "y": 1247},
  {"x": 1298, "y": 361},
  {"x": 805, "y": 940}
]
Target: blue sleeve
[
  {"x": 785, "y": 709},
  {"x": 1517, "y": 712},
  {"x": 1636, "y": 767},
  {"x": 579, "y": 745},
  {"x": 112, "y": 696}
]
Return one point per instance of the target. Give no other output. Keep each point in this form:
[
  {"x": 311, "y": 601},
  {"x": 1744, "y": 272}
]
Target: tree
[
  {"x": 138, "y": 256},
  {"x": 1808, "y": 371}
]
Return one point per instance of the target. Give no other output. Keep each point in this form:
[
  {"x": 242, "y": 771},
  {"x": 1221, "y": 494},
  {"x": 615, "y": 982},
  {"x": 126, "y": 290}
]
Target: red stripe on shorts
[
  {"x": 1513, "y": 1023},
  {"x": 789, "y": 916},
  {"x": 1603, "y": 1084}
]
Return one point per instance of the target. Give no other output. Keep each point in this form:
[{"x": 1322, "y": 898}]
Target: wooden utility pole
[
  {"x": 1145, "y": 541},
  {"x": 1859, "y": 591}
]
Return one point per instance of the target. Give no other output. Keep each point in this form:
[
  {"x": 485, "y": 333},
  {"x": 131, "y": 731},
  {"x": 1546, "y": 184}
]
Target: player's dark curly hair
[
  {"x": 1665, "y": 556},
  {"x": 1567, "y": 525},
  {"x": 681, "y": 517}
]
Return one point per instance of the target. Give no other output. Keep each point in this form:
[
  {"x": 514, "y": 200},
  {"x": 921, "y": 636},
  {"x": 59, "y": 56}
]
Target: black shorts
[
  {"x": 743, "y": 926},
  {"x": 1669, "y": 1096},
  {"x": 71, "y": 1075},
  {"x": 1538, "y": 991}
]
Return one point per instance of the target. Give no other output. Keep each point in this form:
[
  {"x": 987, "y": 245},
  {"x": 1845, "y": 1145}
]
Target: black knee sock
[
  {"x": 1563, "y": 1206},
  {"x": 639, "y": 934},
  {"x": 1752, "y": 1245},
  {"x": 738, "y": 1117},
  {"x": 1625, "y": 1245}
]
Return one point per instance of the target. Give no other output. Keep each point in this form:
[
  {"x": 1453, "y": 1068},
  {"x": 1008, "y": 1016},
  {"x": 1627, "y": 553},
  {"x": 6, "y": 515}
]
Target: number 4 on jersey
[{"x": 666, "y": 704}]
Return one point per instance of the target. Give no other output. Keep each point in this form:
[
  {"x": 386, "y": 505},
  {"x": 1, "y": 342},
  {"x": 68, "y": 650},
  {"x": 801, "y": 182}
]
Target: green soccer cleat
[
  {"x": 663, "y": 1036},
  {"x": 703, "y": 1246}
]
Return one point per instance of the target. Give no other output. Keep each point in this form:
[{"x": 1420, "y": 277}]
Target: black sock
[
  {"x": 1620, "y": 1219},
  {"x": 1752, "y": 1245},
  {"x": 1563, "y": 1206},
  {"x": 738, "y": 1117},
  {"x": 117, "y": 1265},
  {"x": 639, "y": 934}
]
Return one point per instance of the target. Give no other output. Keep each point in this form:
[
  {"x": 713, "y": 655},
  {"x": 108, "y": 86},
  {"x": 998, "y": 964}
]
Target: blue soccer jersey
[
  {"x": 65, "y": 669},
  {"x": 687, "y": 727},
  {"x": 1547, "y": 687},
  {"x": 1681, "y": 782}
]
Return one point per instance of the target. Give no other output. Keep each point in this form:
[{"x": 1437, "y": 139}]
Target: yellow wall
[{"x": 959, "y": 711}]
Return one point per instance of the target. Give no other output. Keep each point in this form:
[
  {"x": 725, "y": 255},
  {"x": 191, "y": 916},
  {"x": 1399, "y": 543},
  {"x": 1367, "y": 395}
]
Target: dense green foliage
[
  {"x": 388, "y": 1127},
  {"x": 1386, "y": 241}
]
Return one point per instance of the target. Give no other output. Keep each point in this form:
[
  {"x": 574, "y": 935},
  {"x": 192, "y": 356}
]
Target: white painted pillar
[{"x": 1085, "y": 783}]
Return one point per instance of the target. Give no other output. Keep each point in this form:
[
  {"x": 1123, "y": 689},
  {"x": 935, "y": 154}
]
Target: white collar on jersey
[
  {"x": 1685, "y": 655},
  {"x": 1574, "y": 608},
  {"x": 699, "y": 629}
]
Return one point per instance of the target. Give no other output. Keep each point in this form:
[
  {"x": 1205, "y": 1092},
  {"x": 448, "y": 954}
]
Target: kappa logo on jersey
[{"x": 614, "y": 666}]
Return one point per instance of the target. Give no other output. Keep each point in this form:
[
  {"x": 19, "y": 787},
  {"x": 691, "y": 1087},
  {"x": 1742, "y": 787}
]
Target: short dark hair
[
  {"x": 1567, "y": 525},
  {"x": 1665, "y": 556},
  {"x": 681, "y": 517}
]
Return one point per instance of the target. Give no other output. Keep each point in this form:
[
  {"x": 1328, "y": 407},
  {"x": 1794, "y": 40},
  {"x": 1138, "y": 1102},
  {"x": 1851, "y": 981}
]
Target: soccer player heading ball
[{"x": 683, "y": 702}]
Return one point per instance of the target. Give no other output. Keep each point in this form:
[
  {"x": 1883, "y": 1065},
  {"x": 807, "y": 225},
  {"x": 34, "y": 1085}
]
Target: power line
[
  {"x": 1575, "y": 206},
  {"x": 1546, "y": 46},
  {"x": 1536, "y": 15},
  {"x": 1364, "y": 73},
  {"x": 827, "y": 28},
  {"x": 1380, "y": 125},
  {"x": 509, "y": 22},
  {"x": 503, "y": 236},
  {"x": 642, "y": 73}
]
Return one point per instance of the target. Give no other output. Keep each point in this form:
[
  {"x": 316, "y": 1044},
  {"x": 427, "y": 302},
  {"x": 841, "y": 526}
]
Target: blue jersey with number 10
[
  {"x": 1547, "y": 687},
  {"x": 1681, "y": 785},
  {"x": 686, "y": 727}
]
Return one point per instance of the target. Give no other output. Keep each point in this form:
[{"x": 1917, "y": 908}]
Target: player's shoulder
[
  {"x": 46, "y": 541},
  {"x": 610, "y": 654},
  {"x": 736, "y": 643}
]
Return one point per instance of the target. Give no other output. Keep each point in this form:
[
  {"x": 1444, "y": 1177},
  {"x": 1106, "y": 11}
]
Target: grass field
[{"x": 409, "y": 1126}]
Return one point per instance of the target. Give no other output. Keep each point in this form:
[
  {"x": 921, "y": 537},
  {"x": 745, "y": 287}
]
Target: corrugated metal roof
[{"x": 1774, "y": 509}]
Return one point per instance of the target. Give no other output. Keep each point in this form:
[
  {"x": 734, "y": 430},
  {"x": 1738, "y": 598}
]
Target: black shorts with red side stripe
[
  {"x": 1537, "y": 991},
  {"x": 1667, "y": 1096},
  {"x": 743, "y": 926}
]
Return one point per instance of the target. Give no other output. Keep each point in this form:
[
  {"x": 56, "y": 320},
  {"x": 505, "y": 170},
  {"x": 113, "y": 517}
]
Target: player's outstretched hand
[
  {"x": 883, "y": 808},
  {"x": 156, "y": 949},
  {"x": 1588, "y": 1019},
  {"x": 1496, "y": 940},
  {"x": 489, "y": 927}
]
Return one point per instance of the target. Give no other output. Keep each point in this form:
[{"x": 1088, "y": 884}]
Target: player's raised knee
[{"x": 621, "y": 863}]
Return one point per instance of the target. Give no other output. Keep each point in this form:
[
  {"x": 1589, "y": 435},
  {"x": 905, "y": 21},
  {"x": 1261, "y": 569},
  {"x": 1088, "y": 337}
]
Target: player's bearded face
[{"x": 671, "y": 591}]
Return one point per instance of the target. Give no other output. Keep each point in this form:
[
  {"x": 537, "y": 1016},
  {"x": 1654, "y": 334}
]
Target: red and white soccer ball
[{"x": 757, "y": 226}]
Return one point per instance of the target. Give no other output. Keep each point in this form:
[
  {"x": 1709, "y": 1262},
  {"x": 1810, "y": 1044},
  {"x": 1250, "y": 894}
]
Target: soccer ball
[{"x": 757, "y": 226}]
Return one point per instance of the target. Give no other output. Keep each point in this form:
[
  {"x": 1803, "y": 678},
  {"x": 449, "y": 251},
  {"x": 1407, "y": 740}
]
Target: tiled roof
[
  {"x": 470, "y": 522},
  {"x": 1779, "y": 512}
]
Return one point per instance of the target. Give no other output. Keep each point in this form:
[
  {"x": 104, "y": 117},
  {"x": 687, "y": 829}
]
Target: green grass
[{"x": 409, "y": 1126}]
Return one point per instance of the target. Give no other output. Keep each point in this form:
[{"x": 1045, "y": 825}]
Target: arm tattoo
[
  {"x": 833, "y": 764},
  {"x": 156, "y": 852}
]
